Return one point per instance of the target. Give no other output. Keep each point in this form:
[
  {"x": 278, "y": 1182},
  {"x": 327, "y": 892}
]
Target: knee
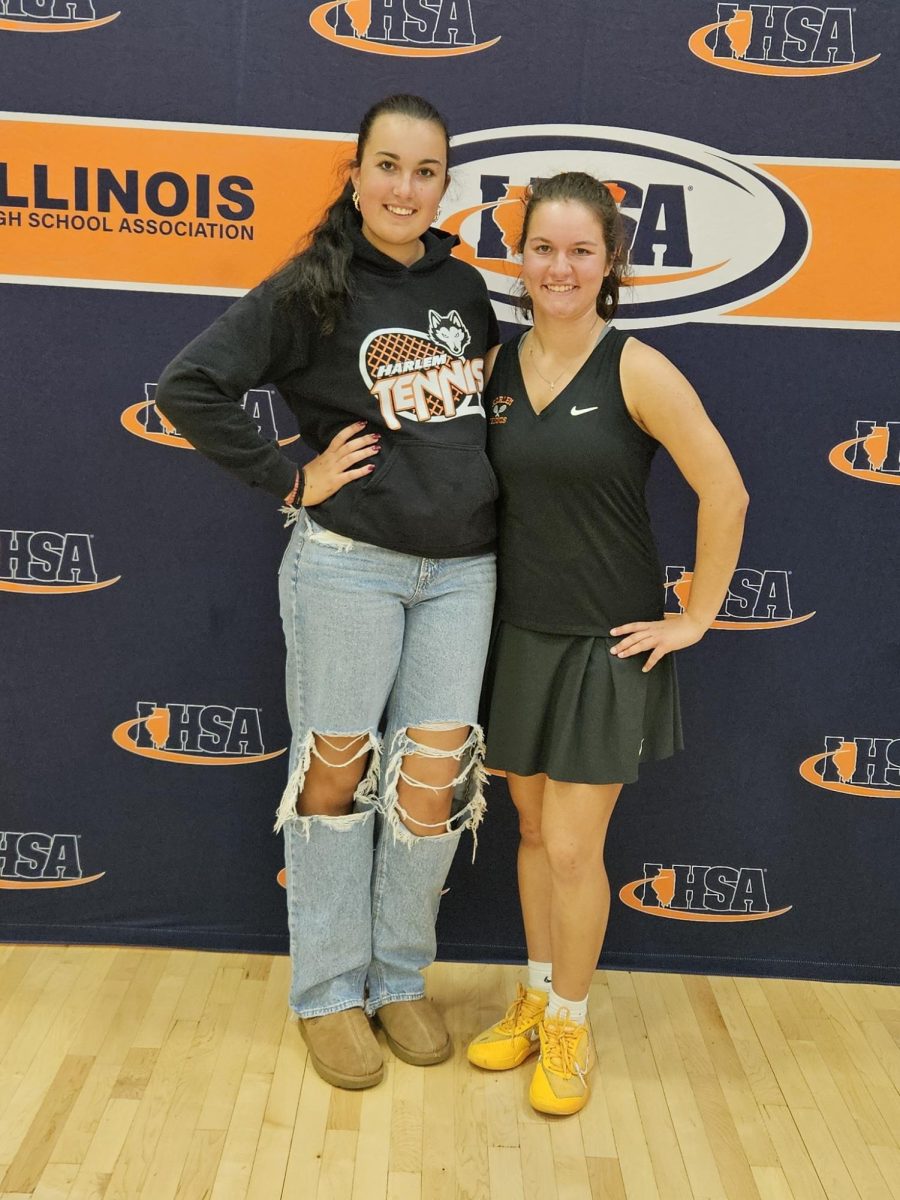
[
  {"x": 571, "y": 860},
  {"x": 433, "y": 761},
  {"x": 336, "y": 766}
]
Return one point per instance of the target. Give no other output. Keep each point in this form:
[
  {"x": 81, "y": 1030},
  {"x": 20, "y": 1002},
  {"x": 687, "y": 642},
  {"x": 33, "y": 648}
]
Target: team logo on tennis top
[
  {"x": 51, "y": 16},
  {"x": 423, "y": 376},
  {"x": 499, "y": 409},
  {"x": 780, "y": 39}
]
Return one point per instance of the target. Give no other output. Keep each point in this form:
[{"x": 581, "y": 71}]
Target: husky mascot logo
[{"x": 449, "y": 331}]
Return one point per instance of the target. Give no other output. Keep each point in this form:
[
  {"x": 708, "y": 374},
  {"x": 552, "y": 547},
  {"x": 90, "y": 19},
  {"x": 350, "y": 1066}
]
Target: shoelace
[
  {"x": 561, "y": 1037},
  {"x": 520, "y": 1013}
]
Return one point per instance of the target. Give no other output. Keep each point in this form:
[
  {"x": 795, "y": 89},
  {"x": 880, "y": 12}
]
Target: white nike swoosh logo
[{"x": 576, "y": 412}]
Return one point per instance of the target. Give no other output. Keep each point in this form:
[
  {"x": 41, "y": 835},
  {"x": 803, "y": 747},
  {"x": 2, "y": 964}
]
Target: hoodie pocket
[{"x": 429, "y": 499}]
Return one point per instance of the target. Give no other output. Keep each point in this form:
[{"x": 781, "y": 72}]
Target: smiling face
[
  {"x": 400, "y": 178},
  {"x": 564, "y": 260}
]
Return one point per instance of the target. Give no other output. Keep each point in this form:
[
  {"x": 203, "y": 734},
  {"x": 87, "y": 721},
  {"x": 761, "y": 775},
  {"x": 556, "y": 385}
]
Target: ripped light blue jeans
[{"x": 376, "y": 641}]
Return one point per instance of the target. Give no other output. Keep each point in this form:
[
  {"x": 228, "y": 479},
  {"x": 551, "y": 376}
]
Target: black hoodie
[{"x": 406, "y": 356}]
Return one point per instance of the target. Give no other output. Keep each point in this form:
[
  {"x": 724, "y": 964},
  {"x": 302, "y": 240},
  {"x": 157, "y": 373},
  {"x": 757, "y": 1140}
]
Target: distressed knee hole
[
  {"x": 334, "y": 765},
  {"x": 425, "y": 773}
]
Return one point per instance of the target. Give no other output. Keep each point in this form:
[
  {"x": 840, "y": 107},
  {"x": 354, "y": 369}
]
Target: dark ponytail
[{"x": 319, "y": 277}]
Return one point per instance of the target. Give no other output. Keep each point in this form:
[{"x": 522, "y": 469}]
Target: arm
[
  {"x": 663, "y": 403},
  {"x": 200, "y": 392},
  {"x": 201, "y": 389}
]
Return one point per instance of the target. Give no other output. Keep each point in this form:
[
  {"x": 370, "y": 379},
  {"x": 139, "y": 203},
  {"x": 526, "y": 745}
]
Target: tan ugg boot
[
  {"x": 415, "y": 1031},
  {"x": 343, "y": 1049}
]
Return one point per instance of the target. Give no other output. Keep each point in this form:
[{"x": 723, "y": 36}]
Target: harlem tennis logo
[
  {"x": 208, "y": 735},
  {"x": 30, "y": 861},
  {"x": 856, "y": 766},
  {"x": 780, "y": 39},
  {"x": 689, "y": 892},
  {"x": 873, "y": 455},
  {"x": 755, "y": 600},
  {"x": 707, "y": 231},
  {"x": 51, "y": 16},
  {"x": 45, "y": 563},
  {"x": 423, "y": 376},
  {"x": 414, "y": 28},
  {"x": 146, "y": 421}
]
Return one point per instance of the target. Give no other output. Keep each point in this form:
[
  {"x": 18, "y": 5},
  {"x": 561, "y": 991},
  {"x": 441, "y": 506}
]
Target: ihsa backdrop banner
[{"x": 157, "y": 159}]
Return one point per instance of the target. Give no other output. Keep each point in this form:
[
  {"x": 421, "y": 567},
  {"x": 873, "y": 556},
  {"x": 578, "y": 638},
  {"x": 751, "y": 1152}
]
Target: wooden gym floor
[{"x": 129, "y": 1073}]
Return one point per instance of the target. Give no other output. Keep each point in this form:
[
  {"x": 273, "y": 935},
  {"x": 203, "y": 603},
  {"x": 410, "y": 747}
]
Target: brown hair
[
  {"x": 319, "y": 276},
  {"x": 583, "y": 189}
]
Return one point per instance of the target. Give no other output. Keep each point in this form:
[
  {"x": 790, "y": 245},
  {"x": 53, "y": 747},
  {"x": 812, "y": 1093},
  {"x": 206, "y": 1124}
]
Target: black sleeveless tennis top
[{"x": 576, "y": 554}]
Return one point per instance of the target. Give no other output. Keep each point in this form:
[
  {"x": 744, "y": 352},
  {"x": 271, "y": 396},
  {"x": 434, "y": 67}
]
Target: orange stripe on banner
[
  {"x": 291, "y": 180},
  {"x": 53, "y": 171},
  {"x": 851, "y": 271}
]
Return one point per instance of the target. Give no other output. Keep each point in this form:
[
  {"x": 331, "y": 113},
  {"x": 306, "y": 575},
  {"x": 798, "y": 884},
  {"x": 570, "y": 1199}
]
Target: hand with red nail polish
[{"x": 329, "y": 471}]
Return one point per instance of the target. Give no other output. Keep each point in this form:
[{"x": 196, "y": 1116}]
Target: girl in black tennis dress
[{"x": 580, "y": 685}]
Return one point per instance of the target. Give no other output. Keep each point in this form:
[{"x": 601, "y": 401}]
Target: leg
[
  {"x": 573, "y": 830},
  {"x": 427, "y": 776},
  {"x": 512, "y": 1039},
  {"x": 343, "y": 621},
  {"x": 335, "y": 769},
  {"x": 431, "y": 785},
  {"x": 535, "y": 886},
  {"x": 575, "y": 820}
]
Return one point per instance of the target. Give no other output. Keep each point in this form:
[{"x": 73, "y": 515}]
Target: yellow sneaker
[
  {"x": 515, "y": 1037},
  {"x": 559, "y": 1084}
]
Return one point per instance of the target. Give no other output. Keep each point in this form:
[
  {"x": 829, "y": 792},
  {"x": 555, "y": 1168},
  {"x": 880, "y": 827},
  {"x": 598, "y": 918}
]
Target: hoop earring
[{"x": 355, "y": 199}]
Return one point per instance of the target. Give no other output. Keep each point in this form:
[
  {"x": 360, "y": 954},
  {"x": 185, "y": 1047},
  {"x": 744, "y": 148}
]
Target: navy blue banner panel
[{"x": 157, "y": 159}]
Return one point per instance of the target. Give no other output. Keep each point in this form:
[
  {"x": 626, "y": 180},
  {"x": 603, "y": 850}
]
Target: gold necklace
[{"x": 551, "y": 383}]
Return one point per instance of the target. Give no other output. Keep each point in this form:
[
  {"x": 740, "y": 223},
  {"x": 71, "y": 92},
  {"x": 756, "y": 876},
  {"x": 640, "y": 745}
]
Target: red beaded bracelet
[{"x": 294, "y": 498}]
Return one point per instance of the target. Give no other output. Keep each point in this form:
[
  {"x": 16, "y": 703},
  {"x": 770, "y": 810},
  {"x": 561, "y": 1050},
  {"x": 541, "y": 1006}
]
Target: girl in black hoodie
[{"x": 376, "y": 339}]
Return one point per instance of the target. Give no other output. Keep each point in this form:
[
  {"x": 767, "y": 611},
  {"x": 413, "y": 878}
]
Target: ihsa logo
[
  {"x": 145, "y": 420},
  {"x": 779, "y": 39},
  {"x": 43, "y": 562},
  {"x": 873, "y": 455},
  {"x": 30, "y": 861},
  {"x": 688, "y": 892},
  {"x": 707, "y": 232},
  {"x": 857, "y": 766},
  {"x": 206, "y": 735},
  {"x": 413, "y": 28},
  {"x": 755, "y": 599}
]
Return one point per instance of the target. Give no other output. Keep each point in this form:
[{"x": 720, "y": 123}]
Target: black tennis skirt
[{"x": 564, "y": 706}]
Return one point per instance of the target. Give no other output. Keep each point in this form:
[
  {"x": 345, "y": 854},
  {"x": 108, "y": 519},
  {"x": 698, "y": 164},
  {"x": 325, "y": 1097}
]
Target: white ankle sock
[
  {"x": 539, "y": 975},
  {"x": 577, "y": 1008}
]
